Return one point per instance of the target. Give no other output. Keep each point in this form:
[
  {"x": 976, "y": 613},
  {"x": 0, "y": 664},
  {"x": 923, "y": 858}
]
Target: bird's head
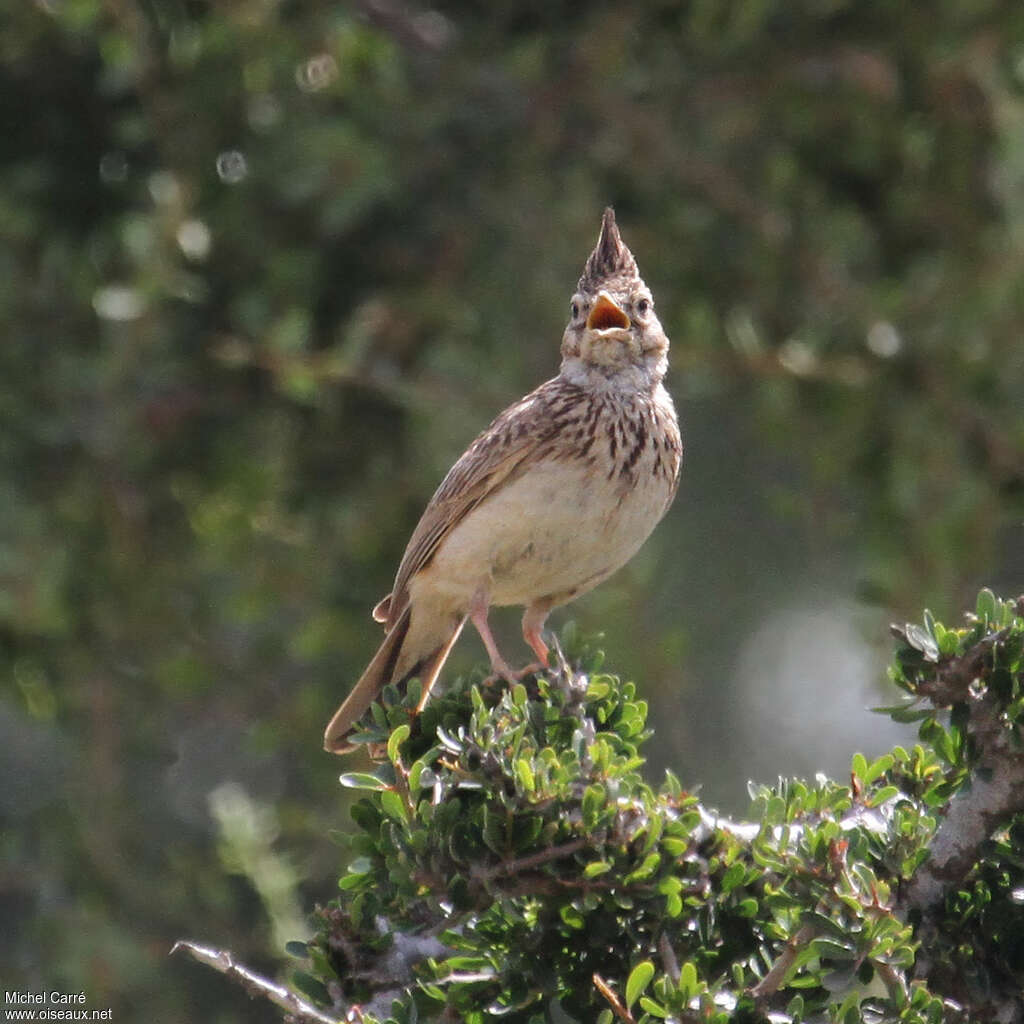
[{"x": 612, "y": 325}]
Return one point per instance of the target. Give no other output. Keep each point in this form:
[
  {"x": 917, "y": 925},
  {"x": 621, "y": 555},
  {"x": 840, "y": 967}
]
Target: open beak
[{"x": 605, "y": 314}]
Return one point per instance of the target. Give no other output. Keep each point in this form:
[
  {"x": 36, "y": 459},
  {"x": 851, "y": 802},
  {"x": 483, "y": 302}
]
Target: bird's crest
[{"x": 610, "y": 259}]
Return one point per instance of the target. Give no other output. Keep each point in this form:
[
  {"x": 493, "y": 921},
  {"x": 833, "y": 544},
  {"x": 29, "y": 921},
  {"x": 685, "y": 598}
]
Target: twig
[
  {"x": 892, "y": 979},
  {"x": 534, "y": 860},
  {"x": 617, "y": 1005},
  {"x": 770, "y": 983},
  {"x": 255, "y": 984},
  {"x": 953, "y": 678},
  {"x": 669, "y": 960}
]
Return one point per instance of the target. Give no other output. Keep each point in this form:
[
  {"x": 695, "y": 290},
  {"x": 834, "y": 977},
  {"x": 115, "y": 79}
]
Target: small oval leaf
[
  {"x": 638, "y": 980},
  {"x": 395, "y": 740},
  {"x": 362, "y": 780}
]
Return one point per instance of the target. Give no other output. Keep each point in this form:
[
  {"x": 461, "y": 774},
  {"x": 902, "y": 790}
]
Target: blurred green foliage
[{"x": 265, "y": 268}]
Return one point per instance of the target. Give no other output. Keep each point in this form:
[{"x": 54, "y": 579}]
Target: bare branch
[
  {"x": 669, "y": 960},
  {"x": 612, "y": 997},
  {"x": 255, "y": 984}
]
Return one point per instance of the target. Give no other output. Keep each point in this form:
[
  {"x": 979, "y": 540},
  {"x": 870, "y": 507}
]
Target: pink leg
[
  {"x": 478, "y": 616},
  {"x": 533, "y": 622}
]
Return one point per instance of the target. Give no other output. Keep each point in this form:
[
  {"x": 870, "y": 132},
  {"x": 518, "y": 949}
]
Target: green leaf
[
  {"x": 394, "y": 806},
  {"x": 877, "y": 767},
  {"x": 774, "y": 811},
  {"x": 638, "y": 980},
  {"x": 593, "y": 804},
  {"x": 596, "y": 868},
  {"x": 648, "y": 1005},
  {"x": 823, "y": 923},
  {"x": 687, "y": 980},
  {"x": 362, "y": 780},
  {"x": 929, "y": 622},
  {"x": 733, "y": 877},
  {"x": 986, "y": 607},
  {"x": 833, "y": 948},
  {"x": 920, "y": 639},
  {"x": 397, "y": 738},
  {"x": 572, "y": 917},
  {"x": 910, "y": 711},
  {"x": 476, "y": 964},
  {"x": 647, "y": 868},
  {"x": 493, "y": 832},
  {"x": 948, "y": 640},
  {"x": 312, "y": 987},
  {"x": 415, "y": 775},
  {"x": 884, "y": 794},
  {"x": 524, "y": 773}
]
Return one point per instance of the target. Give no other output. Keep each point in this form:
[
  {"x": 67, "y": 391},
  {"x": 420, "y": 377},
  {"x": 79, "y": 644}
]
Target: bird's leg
[
  {"x": 478, "y": 616},
  {"x": 533, "y": 623}
]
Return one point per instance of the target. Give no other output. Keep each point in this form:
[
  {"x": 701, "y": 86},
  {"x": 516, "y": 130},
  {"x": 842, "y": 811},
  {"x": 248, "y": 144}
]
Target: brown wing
[{"x": 518, "y": 435}]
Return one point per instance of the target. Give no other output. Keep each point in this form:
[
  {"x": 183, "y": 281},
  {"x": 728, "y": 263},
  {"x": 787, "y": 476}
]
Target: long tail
[{"x": 397, "y": 661}]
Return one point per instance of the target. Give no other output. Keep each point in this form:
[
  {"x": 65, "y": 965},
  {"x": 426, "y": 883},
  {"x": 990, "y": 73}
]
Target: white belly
[{"x": 555, "y": 532}]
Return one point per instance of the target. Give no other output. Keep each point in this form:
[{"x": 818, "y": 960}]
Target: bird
[{"x": 559, "y": 492}]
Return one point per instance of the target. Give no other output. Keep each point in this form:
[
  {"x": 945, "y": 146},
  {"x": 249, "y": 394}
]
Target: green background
[{"x": 266, "y": 269}]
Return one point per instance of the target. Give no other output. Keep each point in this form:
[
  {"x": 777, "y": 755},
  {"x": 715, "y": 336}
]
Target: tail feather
[
  {"x": 393, "y": 662},
  {"x": 430, "y": 668}
]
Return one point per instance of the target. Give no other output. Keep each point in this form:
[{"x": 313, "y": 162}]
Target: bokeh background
[{"x": 267, "y": 267}]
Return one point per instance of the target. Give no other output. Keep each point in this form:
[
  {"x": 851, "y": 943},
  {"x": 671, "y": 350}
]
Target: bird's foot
[{"x": 505, "y": 673}]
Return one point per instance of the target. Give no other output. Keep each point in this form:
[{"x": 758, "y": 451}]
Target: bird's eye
[
  {"x": 642, "y": 307},
  {"x": 575, "y": 310}
]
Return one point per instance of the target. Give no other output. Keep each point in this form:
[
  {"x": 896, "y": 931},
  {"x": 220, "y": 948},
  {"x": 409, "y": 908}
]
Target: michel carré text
[{"x": 43, "y": 998}]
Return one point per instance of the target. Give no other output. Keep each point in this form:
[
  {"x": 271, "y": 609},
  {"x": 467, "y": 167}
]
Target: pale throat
[
  {"x": 624, "y": 377},
  {"x": 609, "y": 348}
]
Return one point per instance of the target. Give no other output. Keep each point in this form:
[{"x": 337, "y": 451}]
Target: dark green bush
[{"x": 510, "y": 858}]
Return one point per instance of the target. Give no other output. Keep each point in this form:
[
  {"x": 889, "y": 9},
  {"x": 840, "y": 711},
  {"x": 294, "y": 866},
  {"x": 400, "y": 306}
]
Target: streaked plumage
[{"x": 554, "y": 496}]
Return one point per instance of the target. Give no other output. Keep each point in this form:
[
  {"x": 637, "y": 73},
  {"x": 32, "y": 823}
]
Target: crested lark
[{"x": 554, "y": 496}]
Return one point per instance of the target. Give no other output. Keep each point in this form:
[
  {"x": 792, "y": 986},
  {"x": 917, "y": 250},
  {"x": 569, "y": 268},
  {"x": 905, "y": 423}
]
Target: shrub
[{"x": 512, "y": 861}]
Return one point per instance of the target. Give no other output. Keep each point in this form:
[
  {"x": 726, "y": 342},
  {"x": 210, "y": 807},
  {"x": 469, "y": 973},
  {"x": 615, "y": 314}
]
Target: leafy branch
[{"x": 510, "y": 854}]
